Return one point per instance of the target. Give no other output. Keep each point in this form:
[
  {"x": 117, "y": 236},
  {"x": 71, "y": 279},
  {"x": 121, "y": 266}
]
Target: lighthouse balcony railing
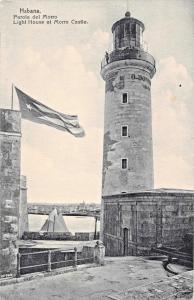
[{"x": 127, "y": 53}]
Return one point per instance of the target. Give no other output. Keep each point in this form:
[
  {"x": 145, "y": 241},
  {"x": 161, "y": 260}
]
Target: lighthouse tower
[{"x": 127, "y": 71}]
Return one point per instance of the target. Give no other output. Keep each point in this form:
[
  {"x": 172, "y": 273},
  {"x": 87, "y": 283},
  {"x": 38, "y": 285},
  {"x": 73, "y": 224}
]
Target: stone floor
[{"x": 122, "y": 278}]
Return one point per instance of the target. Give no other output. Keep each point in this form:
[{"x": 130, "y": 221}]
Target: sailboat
[{"x": 55, "y": 223}]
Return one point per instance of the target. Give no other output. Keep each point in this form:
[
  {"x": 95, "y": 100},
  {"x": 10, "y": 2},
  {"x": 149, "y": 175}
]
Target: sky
[{"x": 59, "y": 65}]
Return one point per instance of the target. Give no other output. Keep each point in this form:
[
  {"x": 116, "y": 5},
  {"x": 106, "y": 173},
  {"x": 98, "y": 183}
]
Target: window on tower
[
  {"x": 124, "y": 130},
  {"x": 121, "y": 31},
  {"x": 124, "y": 98},
  {"x": 133, "y": 30},
  {"x": 124, "y": 163},
  {"x": 127, "y": 28}
]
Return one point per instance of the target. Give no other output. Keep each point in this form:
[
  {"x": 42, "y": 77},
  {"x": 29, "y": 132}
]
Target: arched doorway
[{"x": 125, "y": 241}]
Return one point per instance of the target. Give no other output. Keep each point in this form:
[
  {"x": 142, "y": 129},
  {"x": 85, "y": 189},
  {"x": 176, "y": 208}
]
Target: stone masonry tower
[
  {"x": 127, "y": 71},
  {"x": 10, "y": 140}
]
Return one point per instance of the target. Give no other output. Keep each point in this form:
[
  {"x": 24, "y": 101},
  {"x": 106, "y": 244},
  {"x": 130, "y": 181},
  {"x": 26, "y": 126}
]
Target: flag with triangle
[{"x": 37, "y": 112}]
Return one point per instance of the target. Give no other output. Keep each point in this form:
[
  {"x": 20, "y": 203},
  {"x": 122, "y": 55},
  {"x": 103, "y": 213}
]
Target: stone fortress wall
[{"x": 137, "y": 222}]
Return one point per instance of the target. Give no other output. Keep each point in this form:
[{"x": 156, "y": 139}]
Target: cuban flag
[{"x": 37, "y": 112}]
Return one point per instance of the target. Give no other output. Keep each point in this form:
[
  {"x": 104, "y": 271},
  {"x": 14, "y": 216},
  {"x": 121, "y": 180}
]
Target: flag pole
[{"x": 12, "y": 96}]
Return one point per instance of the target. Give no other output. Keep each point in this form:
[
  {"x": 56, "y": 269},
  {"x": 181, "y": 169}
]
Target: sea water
[{"x": 74, "y": 224}]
